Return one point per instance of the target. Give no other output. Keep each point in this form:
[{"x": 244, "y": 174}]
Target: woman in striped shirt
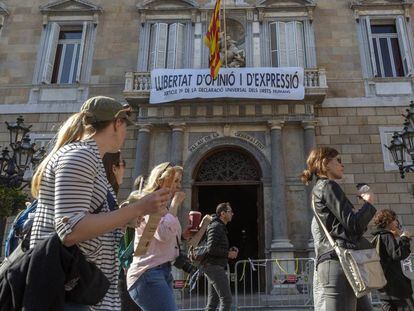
[{"x": 75, "y": 199}]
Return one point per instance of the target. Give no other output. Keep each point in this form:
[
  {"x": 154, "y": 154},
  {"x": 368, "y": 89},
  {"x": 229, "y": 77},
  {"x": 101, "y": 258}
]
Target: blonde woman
[
  {"x": 149, "y": 278},
  {"x": 75, "y": 199}
]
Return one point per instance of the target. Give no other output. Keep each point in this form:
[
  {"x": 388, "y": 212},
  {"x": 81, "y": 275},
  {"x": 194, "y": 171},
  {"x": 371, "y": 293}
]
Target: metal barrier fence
[
  {"x": 274, "y": 284},
  {"x": 265, "y": 284},
  {"x": 257, "y": 285},
  {"x": 193, "y": 300}
]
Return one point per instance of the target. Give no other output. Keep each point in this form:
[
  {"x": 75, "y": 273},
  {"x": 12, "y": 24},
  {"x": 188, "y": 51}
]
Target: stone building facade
[{"x": 358, "y": 61}]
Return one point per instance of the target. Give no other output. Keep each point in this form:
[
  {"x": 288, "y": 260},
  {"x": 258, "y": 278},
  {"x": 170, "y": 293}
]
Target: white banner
[{"x": 268, "y": 83}]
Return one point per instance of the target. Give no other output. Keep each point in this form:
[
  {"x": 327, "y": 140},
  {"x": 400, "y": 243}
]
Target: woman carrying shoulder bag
[{"x": 344, "y": 225}]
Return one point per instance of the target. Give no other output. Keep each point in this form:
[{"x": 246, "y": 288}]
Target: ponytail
[
  {"x": 306, "y": 176},
  {"x": 72, "y": 130}
]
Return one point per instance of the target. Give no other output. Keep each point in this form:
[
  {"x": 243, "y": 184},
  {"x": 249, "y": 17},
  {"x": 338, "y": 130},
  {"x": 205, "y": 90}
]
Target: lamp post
[
  {"x": 403, "y": 143},
  {"x": 15, "y": 160},
  {"x": 22, "y": 154}
]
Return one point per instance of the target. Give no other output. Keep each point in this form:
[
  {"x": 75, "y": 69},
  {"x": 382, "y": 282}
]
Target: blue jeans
[{"x": 153, "y": 290}]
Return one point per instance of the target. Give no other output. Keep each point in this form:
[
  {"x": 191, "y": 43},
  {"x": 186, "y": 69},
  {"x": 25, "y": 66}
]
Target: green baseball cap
[{"x": 102, "y": 108}]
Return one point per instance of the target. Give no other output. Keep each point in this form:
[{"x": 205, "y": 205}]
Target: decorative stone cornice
[
  {"x": 70, "y": 8},
  {"x": 144, "y": 128},
  {"x": 285, "y": 3},
  {"x": 381, "y": 7},
  {"x": 276, "y": 124},
  {"x": 179, "y": 127},
  {"x": 274, "y": 8},
  {"x": 178, "y": 9},
  {"x": 309, "y": 124},
  {"x": 161, "y": 4}
]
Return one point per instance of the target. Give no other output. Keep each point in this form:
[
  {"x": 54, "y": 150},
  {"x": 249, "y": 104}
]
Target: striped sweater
[{"x": 74, "y": 183}]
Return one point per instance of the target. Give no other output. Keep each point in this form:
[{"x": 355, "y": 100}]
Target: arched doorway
[{"x": 231, "y": 174}]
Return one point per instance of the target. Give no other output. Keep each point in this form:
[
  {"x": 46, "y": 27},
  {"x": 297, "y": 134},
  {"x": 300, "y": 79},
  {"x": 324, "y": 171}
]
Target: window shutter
[
  {"x": 404, "y": 45},
  {"x": 153, "y": 45},
  {"x": 281, "y": 44},
  {"x": 300, "y": 45},
  {"x": 50, "y": 54},
  {"x": 310, "y": 52},
  {"x": 179, "y": 51},
  {"x": 172, "y": 46},
  {"x": 82, "y": 48},
  {"x": 291, "y": 40},
  {"x": 366, "y": 31},
  {"x": 161, "y": 45},
  {"x": 273, "y": 44}
]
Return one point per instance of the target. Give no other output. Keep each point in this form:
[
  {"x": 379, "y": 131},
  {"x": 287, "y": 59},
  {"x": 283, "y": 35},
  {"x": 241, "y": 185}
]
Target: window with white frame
[
  {"x": 386, "y": 44},
  {"x": 65, "y": 68},
  {"x": 66, "y": 53},
  {"x": 167, "y": 45},
  {"x": 386, "y": 134},
  {"x": 287, "y": 44}
]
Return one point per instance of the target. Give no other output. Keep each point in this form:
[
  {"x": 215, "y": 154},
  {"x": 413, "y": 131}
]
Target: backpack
[
  {"x": 126, "y": 248},
  {"x": 20, "y": 230},
  {"x": 198, "y": 253}
]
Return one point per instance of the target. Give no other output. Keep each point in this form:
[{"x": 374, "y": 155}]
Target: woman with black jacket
[
  {"x": 345, "y": 224},
  {"x": 397, "y": 294}
]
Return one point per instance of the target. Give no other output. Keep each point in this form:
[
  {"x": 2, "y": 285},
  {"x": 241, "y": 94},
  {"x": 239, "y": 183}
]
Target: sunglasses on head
[{"x": 169, "y": 164}]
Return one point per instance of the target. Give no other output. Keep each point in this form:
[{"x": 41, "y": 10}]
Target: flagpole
[{"x": 225, "y": 32}]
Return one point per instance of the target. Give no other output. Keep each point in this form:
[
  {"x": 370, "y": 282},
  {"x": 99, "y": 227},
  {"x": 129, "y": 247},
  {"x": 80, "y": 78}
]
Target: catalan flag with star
[{"x": 211, "y": 39}]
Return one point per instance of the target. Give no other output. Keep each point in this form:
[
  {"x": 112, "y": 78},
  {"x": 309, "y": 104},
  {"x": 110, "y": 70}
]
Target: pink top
[{"x": 163, "y": 247}]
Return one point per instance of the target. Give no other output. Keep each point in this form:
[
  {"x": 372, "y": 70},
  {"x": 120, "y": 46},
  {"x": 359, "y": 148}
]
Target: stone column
[
  {"x": 310, "y": 140},
  {"x": 142, "y": 151},
  {"x": 309, "y": 144},
  {"x": 281, "y": 245},
  {"x": 177, "y": 142}
]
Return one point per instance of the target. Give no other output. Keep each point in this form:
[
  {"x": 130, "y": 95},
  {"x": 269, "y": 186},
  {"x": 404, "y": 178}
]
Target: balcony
[{"x": 138, "y": 85}]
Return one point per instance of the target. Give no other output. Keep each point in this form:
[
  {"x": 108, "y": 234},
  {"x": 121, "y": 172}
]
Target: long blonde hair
[
  {"x": 74, "y": 129},
  {"x": 155, "y": 180}
]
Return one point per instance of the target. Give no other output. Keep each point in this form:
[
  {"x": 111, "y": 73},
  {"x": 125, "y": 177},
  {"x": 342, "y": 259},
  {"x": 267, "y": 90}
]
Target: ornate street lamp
[
  {"x": 22, "y": 155},
  {"x": 403, "y": 142}
]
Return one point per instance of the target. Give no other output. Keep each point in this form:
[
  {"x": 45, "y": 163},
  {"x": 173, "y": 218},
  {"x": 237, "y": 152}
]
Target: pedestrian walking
[
  {"x": 149, "y": 277},
  {"x": 318, "y": 299},
  {"x": 115, "y": 168},
  {"x": 215, "y": 263},
  {"x": 345, "y": 227},
  {"x": 75, "y": 199},
  {"x": 393, "y": 246}
]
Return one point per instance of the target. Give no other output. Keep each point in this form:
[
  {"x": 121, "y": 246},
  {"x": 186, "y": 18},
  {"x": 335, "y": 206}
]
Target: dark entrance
[
  {"x": 243, "y": 229},
  {"x": 232, "y": 175}
]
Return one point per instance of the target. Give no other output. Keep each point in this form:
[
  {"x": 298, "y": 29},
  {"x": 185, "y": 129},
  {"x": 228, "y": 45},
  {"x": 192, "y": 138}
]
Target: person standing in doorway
[{"x": 216, "y": 260}]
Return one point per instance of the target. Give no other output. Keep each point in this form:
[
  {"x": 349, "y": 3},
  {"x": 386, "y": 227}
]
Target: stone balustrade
[{"x": 138, "y": 84}]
